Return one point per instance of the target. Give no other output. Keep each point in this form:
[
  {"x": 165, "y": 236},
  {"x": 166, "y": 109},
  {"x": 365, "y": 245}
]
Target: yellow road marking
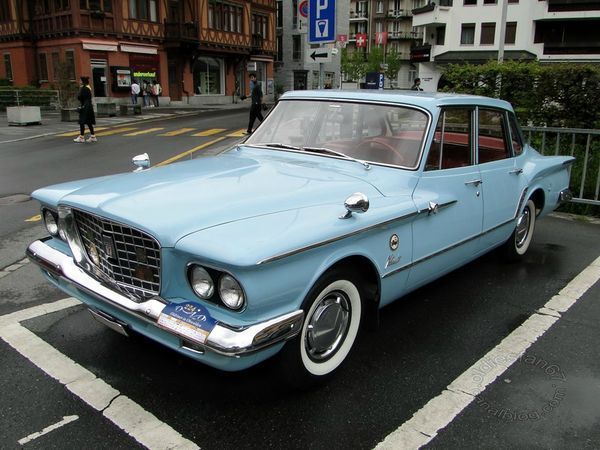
[
  {"x": 210, "y": 132},
  {"x": 115, "y": 131},
  {"x": 35, "y": 218},
  {"x": 177, "y": 132},
  {"x": 76, "y": 133},
  {"x": 238, "y": 133},
  {"x": 189, "y": 152},
  {"x": 149, "y": 130}
]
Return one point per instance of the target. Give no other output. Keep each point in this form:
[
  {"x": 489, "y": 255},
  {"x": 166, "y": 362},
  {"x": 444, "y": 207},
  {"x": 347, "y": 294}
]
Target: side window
[
  {"x": 451, "y": 146},
  {"x": 492, "y": 138},
  {"x": 515, "y": 133}
]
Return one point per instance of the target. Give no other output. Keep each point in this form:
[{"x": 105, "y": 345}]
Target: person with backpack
[{"x": 86, "y": 112}]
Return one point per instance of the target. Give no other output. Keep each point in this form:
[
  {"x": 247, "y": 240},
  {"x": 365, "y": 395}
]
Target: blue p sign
[{"x": 321, "y": 21}]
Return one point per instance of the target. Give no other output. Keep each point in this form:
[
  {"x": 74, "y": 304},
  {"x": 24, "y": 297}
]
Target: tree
[
  {"x": 394, "y": 63},
  {"x": 353, "y": 64}
]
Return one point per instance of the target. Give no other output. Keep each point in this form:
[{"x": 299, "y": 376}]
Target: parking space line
[
  {"x": 140, "y": 424},
  {"x": 440, "y": 411},
  {"x": 65, "y": 420}
]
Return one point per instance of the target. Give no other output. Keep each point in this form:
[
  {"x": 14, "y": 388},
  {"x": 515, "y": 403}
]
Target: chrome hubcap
[
  {"x": 523, "y": 227},
  {"x": 327, "y": 326}
]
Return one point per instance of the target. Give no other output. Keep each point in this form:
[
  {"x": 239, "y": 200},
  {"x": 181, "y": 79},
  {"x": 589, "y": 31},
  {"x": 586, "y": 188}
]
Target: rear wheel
[
  {"x": 520, "y": 240},
  {"x": 333, "y": 310}
]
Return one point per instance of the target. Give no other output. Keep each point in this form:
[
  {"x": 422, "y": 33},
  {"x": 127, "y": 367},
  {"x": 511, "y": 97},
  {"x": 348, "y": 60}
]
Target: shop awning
[
  {"x": 261, "y": 58},
  {"x": 145, "y": 49},
  {"x": 101, "y": 46}
]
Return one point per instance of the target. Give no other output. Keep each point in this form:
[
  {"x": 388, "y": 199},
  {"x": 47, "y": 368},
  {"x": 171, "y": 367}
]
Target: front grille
[{"x": 128, "y": 257}]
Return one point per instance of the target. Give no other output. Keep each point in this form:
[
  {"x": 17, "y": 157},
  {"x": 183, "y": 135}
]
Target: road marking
[
  {"x": 76, "y": 133},
  {"x": 210, "y": 132},
  {"x": 65, "y": 420},
  {"x": 141, "y": 425},
  {"x": 149, "y": 130},
  {"x": 238, "y": 133},
  {"x": 189, "y": 152},
  {"x": 440, "y": 411},
  {"x": 177, "y": 132},
  {"x": 116, "y": 131},
  {"x": 35, "y": 218}
]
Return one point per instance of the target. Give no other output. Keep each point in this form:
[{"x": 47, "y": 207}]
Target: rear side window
[
  {"x": 516, "y": 136},
  {"x": 492, "y": 136},
  {"x": 452, "y": 144}
]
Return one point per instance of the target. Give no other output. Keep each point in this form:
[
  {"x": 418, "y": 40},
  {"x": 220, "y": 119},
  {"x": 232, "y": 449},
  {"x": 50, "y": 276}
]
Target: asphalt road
[{"x": 425, "y": 341}]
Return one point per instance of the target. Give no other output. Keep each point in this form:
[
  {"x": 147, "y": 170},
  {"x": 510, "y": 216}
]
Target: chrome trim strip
[
  {"x": 224, "y": 339},
  {"x": 447, "y": 249},
  {"x": 440, "y": 206}
]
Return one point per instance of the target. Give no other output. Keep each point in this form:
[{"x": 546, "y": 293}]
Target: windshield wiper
[
  {"x": 276, "y": 145},
  {"x": 333, "y": 152}
]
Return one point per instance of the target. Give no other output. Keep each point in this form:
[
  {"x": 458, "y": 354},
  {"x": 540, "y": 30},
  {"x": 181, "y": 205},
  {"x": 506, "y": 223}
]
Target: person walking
[
  {"x": 146, "y": 93},
  {"x": 135, "y": 91},
  {"x": 86, "y": 111},
  {"x": 256, "y": 95},
  {"x": 417, "y": 85},
  {"x": 156, "y": 91}
]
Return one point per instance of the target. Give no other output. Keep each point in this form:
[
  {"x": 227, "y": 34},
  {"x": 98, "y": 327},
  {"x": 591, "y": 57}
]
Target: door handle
[
  {"x": 516, "y": 171},
  {"x": 474, "y": 182}
]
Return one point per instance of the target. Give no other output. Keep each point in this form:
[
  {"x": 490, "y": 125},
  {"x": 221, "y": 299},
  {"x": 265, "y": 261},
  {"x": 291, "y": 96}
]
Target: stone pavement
[{"x": 51, "y": 123}]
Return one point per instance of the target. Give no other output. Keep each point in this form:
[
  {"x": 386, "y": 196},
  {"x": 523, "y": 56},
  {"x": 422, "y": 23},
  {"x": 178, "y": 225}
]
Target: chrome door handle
[
  {"x": 474, "y": 182},
  {"x": 516, "y": 171}
]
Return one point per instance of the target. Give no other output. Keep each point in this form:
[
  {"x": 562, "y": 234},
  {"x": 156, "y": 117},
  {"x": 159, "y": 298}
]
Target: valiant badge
[{"x": 394, "y": 242}]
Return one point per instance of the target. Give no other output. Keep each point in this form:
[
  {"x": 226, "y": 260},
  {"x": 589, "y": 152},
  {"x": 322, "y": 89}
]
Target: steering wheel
[{"x": 380, "y": 151}]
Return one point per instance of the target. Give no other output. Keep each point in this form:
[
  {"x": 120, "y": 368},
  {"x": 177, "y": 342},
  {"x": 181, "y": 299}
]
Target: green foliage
[
  {"x": 353, "y": 64},
  {"x": 375, "y": 59},
  {"x": 394, "y": 63},
  {"x": 68, "y": 89},
  {"x": 562, "y": 95}
]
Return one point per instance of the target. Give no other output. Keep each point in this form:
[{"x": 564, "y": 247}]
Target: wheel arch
[{"x": 539, "y": 199}]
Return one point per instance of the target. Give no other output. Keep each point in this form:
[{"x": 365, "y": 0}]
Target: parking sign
[{"x": 321, "y": 21}]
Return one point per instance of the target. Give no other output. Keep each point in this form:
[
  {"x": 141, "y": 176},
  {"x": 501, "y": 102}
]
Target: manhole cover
[{"x": 12, "y": 199}]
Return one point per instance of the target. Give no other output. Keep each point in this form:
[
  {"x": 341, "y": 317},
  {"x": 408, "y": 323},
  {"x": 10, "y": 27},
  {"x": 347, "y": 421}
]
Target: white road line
[
  {"x": 440, "y": 411},
  {"x": 63, "y": 422},
  {"x": 143, "y": 426}
]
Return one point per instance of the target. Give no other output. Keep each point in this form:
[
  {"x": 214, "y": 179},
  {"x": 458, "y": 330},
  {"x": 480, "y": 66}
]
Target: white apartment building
[{"x": 458, "y": 31}]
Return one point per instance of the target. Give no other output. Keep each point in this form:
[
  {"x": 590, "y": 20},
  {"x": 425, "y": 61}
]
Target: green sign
[{"x": 144, "y": 74}]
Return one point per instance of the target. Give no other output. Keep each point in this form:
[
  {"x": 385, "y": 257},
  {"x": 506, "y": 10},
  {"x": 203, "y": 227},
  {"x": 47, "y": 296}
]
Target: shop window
[
  {"x": 4, "y": 11},
  {"x": 8, "y": 67},
  {"x": 143, "y": 10},
  {"x": 467, "y": 34},
  {"x": 225, "y": 16},
  {"x": 208, "y": 78},
  {"x": 488, "y": 30},
  {"x": 70, "y": 64},
  {"x": 511, "y": 33},
  {"x": 43, "y": 67}
]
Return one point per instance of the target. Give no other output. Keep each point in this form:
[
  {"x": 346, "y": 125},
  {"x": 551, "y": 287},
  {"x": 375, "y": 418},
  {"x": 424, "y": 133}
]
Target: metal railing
[
  {"x": 46, "y": 99},
  {"x": 584, "y": 145}
]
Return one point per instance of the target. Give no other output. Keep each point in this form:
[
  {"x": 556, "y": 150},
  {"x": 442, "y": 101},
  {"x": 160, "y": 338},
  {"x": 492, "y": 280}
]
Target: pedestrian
[
  {"x": 417, "y": 85},
  {"x": 256, "y": 95},
  {"x": 146, "y": 93},
  {"x": 156, "y": 90},
  {"x": 135, "y": 91},
  {"x": 86, "y": 111}
]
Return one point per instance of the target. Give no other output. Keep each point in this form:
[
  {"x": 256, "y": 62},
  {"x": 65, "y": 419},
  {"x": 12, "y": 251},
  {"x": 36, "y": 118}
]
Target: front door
[
  {"x": 99, "y": 81},
  {"x": 174, "y": 79}
]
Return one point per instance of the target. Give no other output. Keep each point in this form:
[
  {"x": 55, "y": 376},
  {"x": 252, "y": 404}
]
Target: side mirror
[
  {"x": 356, "y": 203},
  {"x": 141, "y": 161}
]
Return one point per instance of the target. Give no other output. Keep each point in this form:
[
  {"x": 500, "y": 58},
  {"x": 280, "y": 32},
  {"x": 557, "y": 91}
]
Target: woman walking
[{"x": 86, "y": 111}]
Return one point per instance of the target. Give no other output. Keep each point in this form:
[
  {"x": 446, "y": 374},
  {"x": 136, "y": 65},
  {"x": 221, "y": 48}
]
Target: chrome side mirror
[
  {"x": 356, "y": 203},
  {"x": 141, "y": 161}
]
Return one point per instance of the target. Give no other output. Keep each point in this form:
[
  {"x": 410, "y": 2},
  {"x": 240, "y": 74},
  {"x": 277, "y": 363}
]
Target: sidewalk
[{"x": 51, "y": 123}]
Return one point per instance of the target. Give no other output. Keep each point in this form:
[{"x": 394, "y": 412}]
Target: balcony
[
  {"x": 398, "y": 14},
  {"x": 181, "y": 32},
  {"x": 410, "y": 35},
  {"x": 432, "y": 14},
  {"x": 359, "y": 15}
]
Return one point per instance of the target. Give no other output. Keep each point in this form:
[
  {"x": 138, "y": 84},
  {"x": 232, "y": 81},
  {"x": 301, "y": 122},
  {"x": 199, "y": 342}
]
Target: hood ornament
[
  {"x": 141, "y": 161},
  {"x": 356, "y": 203}
]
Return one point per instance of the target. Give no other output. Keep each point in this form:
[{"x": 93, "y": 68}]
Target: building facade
[
  {"x": 458, "y": 31},
  {"x": 200, "y": 51},
  {"x": 294, "y": 68}
]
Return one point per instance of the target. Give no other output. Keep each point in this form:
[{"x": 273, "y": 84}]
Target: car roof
[{"x": 427, "y": 100}]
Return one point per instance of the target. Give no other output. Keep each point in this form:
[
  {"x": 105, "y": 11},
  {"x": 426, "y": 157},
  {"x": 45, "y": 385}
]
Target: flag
[{"x": 361, "y": 40}]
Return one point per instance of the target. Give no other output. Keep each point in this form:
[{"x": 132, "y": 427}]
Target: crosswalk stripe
[
  {"x": 189, "y": 152},
  {"x": 115, "y": 131},
  {"x": 177, "y": 132},
  {"x": 149, "y": 130},
  {"x": 238, "y": 133},
  {"x": 76, "y": 133},
  {"x": 210, "y": 132}
]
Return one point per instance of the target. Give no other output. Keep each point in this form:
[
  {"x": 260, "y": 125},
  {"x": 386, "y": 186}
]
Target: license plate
[{"x": 189, "y": 320}]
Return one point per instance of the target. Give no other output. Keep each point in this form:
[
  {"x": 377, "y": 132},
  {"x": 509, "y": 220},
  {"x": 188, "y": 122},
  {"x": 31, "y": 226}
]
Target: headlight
[
  {"x": 201, "y": 282},
  {"x": 231, "y": 292},
  {"x": 50, "y": 221}
]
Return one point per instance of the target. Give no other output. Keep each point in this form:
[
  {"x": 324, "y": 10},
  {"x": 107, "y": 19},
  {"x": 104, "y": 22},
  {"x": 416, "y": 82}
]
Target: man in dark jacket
[
  {"x": 256, "y": 108},
  {"x": 86, "y": 111}
]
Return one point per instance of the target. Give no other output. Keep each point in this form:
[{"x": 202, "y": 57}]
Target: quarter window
[
  {"x": 516, "y": 136},
  {"x": 492, "y": 138},
  {"x": 452, "y": 143}
]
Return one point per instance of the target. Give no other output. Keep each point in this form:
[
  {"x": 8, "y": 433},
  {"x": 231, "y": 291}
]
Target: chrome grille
[{"x": 128, "y": 257}]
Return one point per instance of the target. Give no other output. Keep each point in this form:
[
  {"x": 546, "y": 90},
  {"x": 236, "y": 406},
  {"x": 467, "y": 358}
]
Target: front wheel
[
  {"x": 333, "y": 310},
  {"x": 520, "y": 240}
]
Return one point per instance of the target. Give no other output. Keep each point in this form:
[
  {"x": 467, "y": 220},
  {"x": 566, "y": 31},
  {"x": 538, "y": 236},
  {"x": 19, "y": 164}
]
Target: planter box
[
  {"x": 23, "y": 115},
  {"x": 106, "y": 109},
  {"x": 69, "y": 115},
  {"x": 126, "y": 109}
]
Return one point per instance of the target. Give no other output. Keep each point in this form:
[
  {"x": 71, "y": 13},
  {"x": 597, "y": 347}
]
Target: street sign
[
  {"x": 302, "y": 17},
  {"x": 321, "y": 21},
  {"x": 318, "y": 55}
]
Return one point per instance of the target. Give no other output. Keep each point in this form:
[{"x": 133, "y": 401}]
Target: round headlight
[
  {"x": 201, "y": 282},
  {"x": 231, "y": 292},
  {"x": 50, "y": 222}
]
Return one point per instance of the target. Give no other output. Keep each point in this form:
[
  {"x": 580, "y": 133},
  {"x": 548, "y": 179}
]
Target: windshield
[{"x": 370, "y": 132}]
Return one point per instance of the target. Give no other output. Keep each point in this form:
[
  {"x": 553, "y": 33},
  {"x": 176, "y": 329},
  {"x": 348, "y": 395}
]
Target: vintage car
[{"x": 338, "y": 204}]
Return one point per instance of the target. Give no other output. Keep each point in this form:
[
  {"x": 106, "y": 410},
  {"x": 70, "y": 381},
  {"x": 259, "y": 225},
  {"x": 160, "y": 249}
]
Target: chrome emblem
[
  {"x": 109, "y": 246},
  {"x": 394, "y": 242}
]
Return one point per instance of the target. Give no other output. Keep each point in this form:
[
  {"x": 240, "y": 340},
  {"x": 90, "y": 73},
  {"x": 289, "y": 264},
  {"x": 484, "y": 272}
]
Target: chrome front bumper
[{"x": 223, "y": 339}]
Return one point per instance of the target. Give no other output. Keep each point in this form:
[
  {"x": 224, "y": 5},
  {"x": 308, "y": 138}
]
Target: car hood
[{"x": 173, "y": 201}]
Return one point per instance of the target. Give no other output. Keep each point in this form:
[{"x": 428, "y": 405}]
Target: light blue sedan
[{"x": 290, "y": 242}]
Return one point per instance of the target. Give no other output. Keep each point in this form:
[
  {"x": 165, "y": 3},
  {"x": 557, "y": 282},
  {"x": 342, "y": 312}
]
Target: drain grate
[{"x": 12, "y": 199}]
